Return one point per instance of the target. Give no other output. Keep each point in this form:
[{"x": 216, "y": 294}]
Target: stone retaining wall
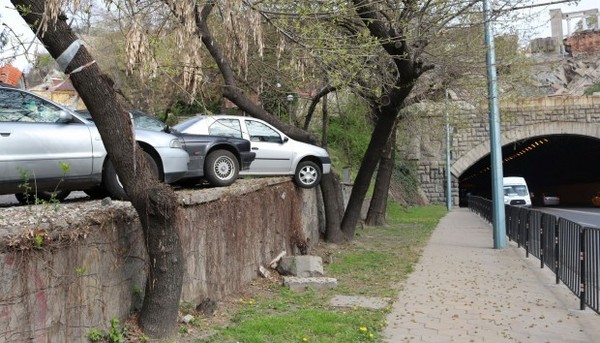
[{"x": 90, "y": 266}]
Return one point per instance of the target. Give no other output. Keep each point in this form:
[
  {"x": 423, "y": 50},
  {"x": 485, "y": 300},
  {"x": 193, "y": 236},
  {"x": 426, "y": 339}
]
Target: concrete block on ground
[
  {"x": 303, "y": 266},
  {"x": 299, "y": 284},
  {"x": 372, "y": 303}
]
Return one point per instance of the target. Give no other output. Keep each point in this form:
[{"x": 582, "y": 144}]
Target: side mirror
[{"x": 65, "y": 117}]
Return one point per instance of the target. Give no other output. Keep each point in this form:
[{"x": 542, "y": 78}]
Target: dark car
[{"x": 215, "y": 159}]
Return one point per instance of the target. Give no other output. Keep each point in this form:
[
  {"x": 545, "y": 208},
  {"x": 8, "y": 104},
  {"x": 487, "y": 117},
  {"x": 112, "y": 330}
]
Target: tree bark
[
  {"x": 334, "y": 207},
  {"x": 379, "y": 138},
  {"x": 325, "y": 124},
  {"x": 378, "y": 205},
  {"x": 155, "y": 203}
]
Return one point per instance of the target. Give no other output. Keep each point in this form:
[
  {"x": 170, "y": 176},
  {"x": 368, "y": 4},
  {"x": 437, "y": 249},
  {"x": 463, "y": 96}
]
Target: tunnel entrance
[{"x": 567, "y": 165}]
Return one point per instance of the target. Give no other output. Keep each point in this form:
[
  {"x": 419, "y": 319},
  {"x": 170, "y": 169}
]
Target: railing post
[
  {"x": 510, "y": 223},
  {"x": 527, "y": 228},
  {"x": 542, "y": 242},
  {"x": 519, "y": 228},
  {"x": 582, "y": 270},
  {"x": 556, "y": 252}
]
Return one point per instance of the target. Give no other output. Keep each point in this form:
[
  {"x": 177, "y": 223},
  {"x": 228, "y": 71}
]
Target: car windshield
[
  {"x": 520, "y": 190},
  {"x": 142, "y": 120}
]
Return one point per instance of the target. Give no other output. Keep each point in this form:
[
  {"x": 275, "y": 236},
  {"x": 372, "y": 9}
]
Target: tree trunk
[
  {"x": 155, "y": 203},
  {"x": 379, "y": 139},
  {"x": 334, "y": 207},
  {"x": 378, "y": 205},
  {"x": 325, "y": 126}
]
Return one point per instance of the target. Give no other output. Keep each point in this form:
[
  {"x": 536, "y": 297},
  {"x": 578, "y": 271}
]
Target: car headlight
[{"x": 176, "y": 143}]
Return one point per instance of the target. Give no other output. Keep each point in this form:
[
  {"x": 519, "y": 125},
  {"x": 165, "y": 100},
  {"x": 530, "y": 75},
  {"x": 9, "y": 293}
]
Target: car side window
[
  {"x": 17, "y": 106},
  {"x": 260, "y": 132},
  {"x": 226, "y": 128}
]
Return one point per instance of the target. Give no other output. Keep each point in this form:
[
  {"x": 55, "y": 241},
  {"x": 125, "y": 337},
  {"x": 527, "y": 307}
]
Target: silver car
[
  {"x": 47, "y": 147},
  {"x": 276, "y": 154}
]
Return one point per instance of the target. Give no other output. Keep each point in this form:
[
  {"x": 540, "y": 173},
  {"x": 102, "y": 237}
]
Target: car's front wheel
[
  {"x": 30, "y": 199},
  {"x": 221, "y": 168},
  {"x": 308, "y": 174},
  {"x": 113, "y": 185}
]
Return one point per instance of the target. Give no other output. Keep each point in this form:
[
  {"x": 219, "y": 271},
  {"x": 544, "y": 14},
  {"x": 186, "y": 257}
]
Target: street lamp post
[
  {"x": 290, "y": 99},
  {"x": 448, "y": 160},
  {"x": 499, "y": 223}
]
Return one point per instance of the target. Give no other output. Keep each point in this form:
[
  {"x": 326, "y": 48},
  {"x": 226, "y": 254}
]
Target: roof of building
[{"x": 10, "y": 75}]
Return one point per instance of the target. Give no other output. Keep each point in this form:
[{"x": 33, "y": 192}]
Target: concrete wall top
[{"x": 554, "y": 101}]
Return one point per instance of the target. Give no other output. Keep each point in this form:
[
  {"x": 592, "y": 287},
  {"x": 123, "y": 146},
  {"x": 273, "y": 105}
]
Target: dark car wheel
[
  {"x": 96, "y": 192},
  {"x": 113, "y": 185},
  {"x": 29, "y": 199},
  {"x": 221, "y": 168},
  {"x": 308, "y": 174}
]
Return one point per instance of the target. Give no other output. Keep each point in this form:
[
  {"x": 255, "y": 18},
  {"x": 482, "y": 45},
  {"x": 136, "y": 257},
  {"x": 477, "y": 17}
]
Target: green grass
[{"x": 373, "y": 264}]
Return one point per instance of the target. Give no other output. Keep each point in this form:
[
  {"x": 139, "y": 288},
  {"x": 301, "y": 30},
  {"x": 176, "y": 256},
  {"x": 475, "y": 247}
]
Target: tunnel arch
[{"x": 525, "y": 132}]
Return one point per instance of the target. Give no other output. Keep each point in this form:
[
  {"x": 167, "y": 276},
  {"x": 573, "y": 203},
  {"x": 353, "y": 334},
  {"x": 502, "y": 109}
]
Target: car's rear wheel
[
  {"x": 113, "y": 185},
  {"x": 29, "y": 199},
  {"x": 221, "y": 168},
  {"x": 308, "y": 174}
]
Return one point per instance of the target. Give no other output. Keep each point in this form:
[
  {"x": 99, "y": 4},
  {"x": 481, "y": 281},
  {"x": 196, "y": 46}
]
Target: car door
[
  {"x": 34, "y": 143},
  {"x": 272, "y": 157}
]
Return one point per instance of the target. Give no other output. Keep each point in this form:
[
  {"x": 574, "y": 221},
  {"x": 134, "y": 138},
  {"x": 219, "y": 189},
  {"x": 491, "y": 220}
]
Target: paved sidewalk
[{"x": 463, "y": 290}]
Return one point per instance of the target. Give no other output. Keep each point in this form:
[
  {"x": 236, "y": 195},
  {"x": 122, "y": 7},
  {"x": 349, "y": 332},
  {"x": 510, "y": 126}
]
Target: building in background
[{"x": 12, "y": 76}]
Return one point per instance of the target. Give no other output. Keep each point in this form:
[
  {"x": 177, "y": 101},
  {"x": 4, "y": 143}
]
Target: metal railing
[{"x": 570, "y": 250}]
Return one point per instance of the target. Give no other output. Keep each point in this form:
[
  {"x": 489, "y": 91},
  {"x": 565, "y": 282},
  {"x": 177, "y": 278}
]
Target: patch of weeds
[
  {"x": 80, "y": 271},
  {"x": 38, "y": 240},
  {"x": 187, "y": 308},
  {"x": 96, "y": 335},
  {"x": 116, "y": 333}
]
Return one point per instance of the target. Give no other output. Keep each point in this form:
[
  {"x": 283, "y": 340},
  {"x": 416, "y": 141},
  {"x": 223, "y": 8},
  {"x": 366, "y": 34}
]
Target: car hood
[
  {"x": 154, "y": 138},
  {"x": 307, "y": 149}
]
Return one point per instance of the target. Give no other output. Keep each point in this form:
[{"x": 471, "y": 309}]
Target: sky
[
  {"x": 541, "y": 22},
  {"x": 539, "y": 27},
  {"x": 10, "y": 18}
]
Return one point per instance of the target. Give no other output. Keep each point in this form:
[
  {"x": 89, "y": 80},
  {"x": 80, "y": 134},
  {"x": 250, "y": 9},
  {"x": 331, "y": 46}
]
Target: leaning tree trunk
[
  {"x": 379, "y": 139},
  {"x": 378, "y": 205},
  {"x": 155, "y": 203}
]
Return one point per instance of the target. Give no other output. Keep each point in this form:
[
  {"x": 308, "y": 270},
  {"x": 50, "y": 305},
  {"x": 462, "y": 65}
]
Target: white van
[{"x": 516, "y": 192}]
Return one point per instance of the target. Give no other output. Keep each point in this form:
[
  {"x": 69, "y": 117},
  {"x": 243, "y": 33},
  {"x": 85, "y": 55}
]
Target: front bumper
[
  {"x": 175, "y": 163},
  {"x": 326, "y": 163}
]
